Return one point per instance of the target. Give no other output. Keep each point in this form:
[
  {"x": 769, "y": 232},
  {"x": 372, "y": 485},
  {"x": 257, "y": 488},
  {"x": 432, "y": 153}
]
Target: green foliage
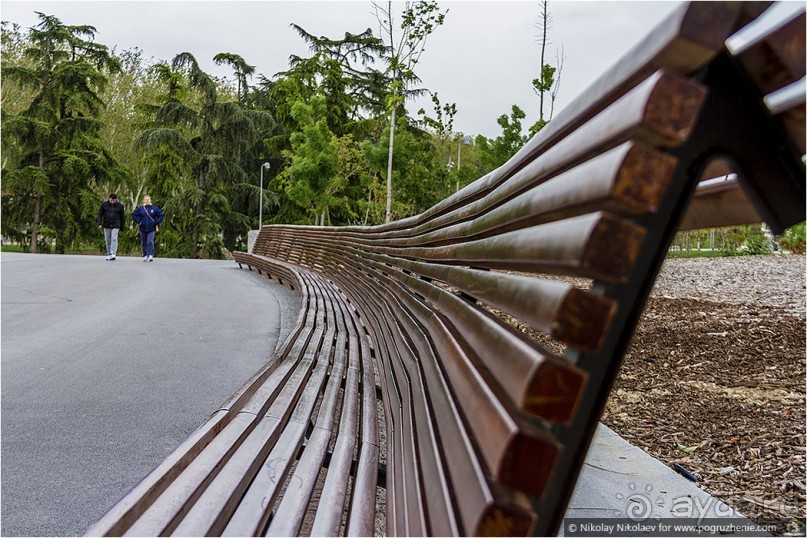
[
  {"x": 757, "y": 244},
  {"x": 419, "y": 181},
  {"x": 547, "y": 79},
  {"x": 312, "y": 180},
  {"x": 57, "y": 131},
  {"x": 727, "y": 241},
  {"x": 196, "y": 151},
  {"x": 80, "y": 122},
  {"x": 793, "y": 239},
  {"x": 496, "y": 152}
]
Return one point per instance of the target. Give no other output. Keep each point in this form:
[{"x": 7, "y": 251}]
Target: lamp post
[
  {"x": 260, "y": 199},
  {"x": 464, "y": 140}
]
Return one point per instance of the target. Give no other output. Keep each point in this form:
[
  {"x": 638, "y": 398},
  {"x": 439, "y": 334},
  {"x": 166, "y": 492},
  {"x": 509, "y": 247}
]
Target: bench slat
[
  {"x": 361, "y": 520},
  {"x": 301, "y": 485},
  {"x": 777, "y": 58},
  {"x": 451, "y": 434},
  {"x": 331, "y": 503},
  {"x": 545, "y": 305},
  {"x": 598, "y": 246},
  {"x": 721, "y": 204},
  {"x": 628, "y": 180},
  {"x": 404, "y": 501},
  {"x": 528, "y": 377},
  {"x": 792, "y": 115}
]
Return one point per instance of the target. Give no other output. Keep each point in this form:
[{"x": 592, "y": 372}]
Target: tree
[
  {"x": 242, "y": 72},
  {"x": 209, "y": 138},
  {"x": 418, "y": 21},
  {"x": 419, "y": 177},
  {"x": 548, "y": 81},
  {"x": 342, "y": 66},
  {"x": 58, "y": 141},
  {"x": 441, "y": 127},
  {"x": 314, "y": 165},
  {"x": 496, "y": 152}
]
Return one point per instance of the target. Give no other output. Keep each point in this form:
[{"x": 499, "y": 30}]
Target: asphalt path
[{"x": 107, "y": 366}]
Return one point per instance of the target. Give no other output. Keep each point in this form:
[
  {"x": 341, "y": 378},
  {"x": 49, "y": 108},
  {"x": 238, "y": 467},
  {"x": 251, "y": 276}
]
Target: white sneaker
[
  {"x": 145, "y": 258},
  {"x": 108, "y": 258},
  {"x": 113, "y": 258},
  {"x": 151, "y": 258}
]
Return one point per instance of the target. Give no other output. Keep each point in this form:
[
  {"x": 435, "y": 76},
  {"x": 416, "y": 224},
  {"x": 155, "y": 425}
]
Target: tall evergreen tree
[
  {"x": 58, "y": 135},
  {"x": 210, "y": 138}
]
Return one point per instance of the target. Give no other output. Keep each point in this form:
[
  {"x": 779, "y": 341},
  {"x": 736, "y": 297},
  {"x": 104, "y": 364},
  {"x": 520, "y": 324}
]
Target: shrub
[
  {"x": 793, "y": 239},
  {"x": 758, "y": 244}
]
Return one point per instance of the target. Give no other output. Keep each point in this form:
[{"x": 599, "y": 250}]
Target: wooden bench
[{"x": 439, "y": 378}]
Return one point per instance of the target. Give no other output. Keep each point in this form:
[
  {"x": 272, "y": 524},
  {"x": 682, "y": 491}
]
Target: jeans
[
  {"x": 111, "y": 239},
  {"x": 147, "y": 241}
]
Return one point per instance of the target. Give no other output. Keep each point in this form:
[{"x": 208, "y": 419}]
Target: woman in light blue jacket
[{"x": 149, "y": 217}]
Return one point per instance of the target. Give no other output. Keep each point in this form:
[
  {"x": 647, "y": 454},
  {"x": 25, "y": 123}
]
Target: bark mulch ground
[{"x": 715, "y": 381}]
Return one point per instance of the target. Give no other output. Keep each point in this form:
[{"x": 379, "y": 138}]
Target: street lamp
[
  {"x": 260, "y": 200},
  {"x": 464, "y": 140}
]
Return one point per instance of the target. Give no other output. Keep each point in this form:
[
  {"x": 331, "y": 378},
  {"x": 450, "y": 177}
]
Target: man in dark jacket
[{"x": 111, "y": 217}]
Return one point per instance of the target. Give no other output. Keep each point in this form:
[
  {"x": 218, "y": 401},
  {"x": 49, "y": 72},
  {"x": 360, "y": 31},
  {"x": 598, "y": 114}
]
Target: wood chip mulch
[{"x": 715, "y": 381}]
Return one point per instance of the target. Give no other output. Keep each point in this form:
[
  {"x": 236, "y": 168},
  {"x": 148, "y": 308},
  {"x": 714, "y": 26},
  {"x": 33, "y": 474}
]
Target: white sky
[{"x": 483, "y": 58}]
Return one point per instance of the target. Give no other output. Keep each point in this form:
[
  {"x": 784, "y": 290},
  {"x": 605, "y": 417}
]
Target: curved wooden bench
[{"x": 440, "y": 376}]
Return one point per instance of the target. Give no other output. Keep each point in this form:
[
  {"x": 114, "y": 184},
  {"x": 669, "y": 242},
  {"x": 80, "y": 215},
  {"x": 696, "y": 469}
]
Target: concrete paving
[
  {"x": 621, "y": 481},
  {"x": 108, "y": 366}
]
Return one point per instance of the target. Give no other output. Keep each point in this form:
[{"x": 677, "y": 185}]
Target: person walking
[
  {"x": 149, "y": 217},
  {"x": 111, "y": 216}
]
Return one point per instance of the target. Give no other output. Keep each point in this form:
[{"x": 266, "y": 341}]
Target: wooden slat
[
  {"x": 777, "y": 58},
  {"x": 596, "y": 246},
  {"x": 361, "y": 521},
  {"x": 404, "y": 502},
  {"x": 437, "y": 516},
  {"x": 253, "y": 511},
  {"x": 719, "y": 204},
  {"x": 332, "y": 500},
  {"x": 546, "y": 305},
  {"x": 791, "y": 112},
  {"x": 464, "y": 465},
  {"x": 528, "y": 370},
  {"x": 497, "y": 447},
  {"x": 628, "y": 180}
]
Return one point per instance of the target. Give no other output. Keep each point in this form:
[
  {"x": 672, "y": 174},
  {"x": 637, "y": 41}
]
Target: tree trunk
[
  {"x": 35, "y": 225},
  {"x": 545, "y": 15},
  {"x": 389, "y": 166},
  {"x": 37, "y": 211},
  {"x": 200, "y": 207}
]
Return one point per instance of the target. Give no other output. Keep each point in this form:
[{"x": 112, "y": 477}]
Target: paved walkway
[
  {"x": 623, "y": 482},
  {"x": 108, "y": 366}
]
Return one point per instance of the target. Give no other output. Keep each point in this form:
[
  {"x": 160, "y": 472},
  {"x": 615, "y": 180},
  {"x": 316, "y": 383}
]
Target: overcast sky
[{"x": 483, "y": 58}]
